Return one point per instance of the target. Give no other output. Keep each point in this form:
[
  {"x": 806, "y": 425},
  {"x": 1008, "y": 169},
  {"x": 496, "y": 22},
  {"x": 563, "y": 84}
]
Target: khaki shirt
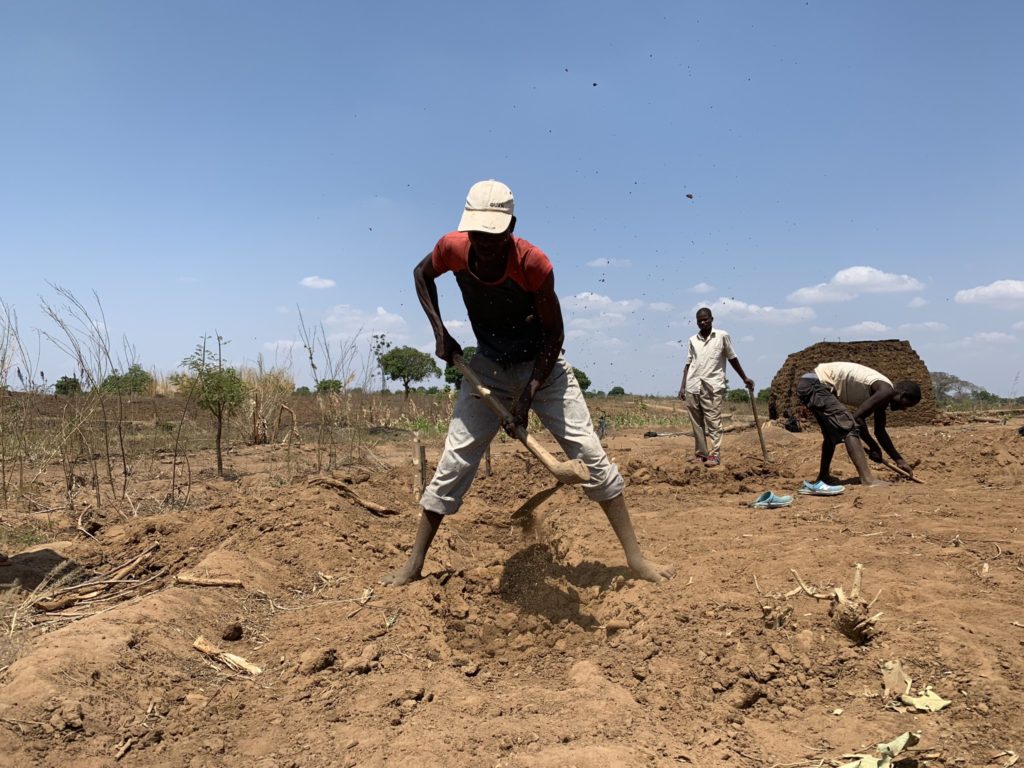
[
  {"x": 706, "y": 358},
  {"x": 850, "y": 381}
]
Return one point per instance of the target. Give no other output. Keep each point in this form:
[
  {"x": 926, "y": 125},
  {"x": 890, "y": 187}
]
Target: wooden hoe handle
[{"x": 569, "y": 472}]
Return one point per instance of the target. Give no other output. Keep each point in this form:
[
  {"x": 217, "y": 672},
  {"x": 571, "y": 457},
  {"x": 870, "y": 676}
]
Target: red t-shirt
[{"x": 502, "y": 313}]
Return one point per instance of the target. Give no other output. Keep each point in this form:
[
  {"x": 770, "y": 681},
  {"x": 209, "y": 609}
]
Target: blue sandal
[
  {"x": 768, "y": 500},
  {"x": 821, "y": 489}
]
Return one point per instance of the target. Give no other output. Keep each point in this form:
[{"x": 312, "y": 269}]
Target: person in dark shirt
[{"x": 508, "y": 287}]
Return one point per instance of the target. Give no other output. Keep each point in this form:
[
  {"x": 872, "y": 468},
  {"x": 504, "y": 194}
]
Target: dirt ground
[{"x": 529, "y": 647}]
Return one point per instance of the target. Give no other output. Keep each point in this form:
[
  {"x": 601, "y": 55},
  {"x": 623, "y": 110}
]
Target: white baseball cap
[{"x": 489, "y": 208}]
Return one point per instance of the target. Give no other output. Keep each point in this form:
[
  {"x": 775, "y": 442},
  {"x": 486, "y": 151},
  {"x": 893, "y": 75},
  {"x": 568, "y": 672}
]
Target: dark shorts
[{"x": 833, "y": 417}]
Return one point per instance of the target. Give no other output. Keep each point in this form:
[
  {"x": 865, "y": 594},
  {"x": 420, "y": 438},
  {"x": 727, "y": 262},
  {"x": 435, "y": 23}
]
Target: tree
[
  {"x": 304, "y": 390},
  {"x": 949, "y": 387},
  {"x": 134, "y": 381},
  {"x": 453, "y": 375},
  {"x": 737, "y": 396},
  {"x": 215, "y": 388},
  {"x": 67, "y": 385},
  {"x": 616, "y": 392},
  {"x": 764, "y": 395},
  {"x": 380, "y": 345},
  {"x": 407, "y": 364},
  {"x": 328, "y": 385},
  {"x": 582, "y": 379}
]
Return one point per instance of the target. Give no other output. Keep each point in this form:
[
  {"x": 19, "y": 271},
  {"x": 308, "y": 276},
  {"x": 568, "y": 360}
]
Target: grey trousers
[
  {"x": 560, "y": 405},
  {"x": 705, "y": 409}
]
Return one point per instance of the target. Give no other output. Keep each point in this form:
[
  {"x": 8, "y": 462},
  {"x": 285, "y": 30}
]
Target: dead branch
[
  {"x": 206, "y": 581},
  {"x": 230, "y": 660},
  {"x": 372, "y": 507},
  {"x": 810, "y": 592}
]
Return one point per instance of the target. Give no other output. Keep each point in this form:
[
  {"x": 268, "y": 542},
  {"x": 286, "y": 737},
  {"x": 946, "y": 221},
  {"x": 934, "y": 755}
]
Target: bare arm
[
  {"x": 549, "y": 315},
  {"x": 425, "y": 276},
  {"x": 682, "y": 387},
  {"x": 881, "y": 395},
  {"x": 747, "y": 381}
]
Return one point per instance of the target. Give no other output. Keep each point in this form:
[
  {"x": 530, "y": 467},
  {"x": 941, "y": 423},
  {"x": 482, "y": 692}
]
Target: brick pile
[{"x": 894, "y": 358}]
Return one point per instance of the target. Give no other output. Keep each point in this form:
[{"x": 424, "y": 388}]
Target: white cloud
[
  {"x": 866, "y": 328},
  {"x": 930, "y": 325},
  {"x": 984, "y": 338},
  {"x": 660, "y": 306},
  {"x": 1006, "y": 294},
  {"x": 599, "y": 322},
  {"x": 595, "y": 301},
  {"x": 313, "y": 281},
  {"x": 917, "y": 302},
  {"x": 702, "y": 288},
  {"x": 849, "y": 283},
  {"x": 346, "y": 320},
  {"x": 614, "y": 263},
  {"x": 740, "y": 310},
  {"x": 1018, "y": 326}
]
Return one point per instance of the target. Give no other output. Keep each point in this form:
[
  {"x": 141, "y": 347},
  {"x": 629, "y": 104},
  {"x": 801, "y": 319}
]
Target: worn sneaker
[{"x": 712, "y": 460}]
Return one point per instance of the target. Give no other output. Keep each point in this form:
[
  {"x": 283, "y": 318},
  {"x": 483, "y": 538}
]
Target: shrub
[
  {"x": 737, "y": 396},
  {"x": 582, "y": 379},
  {"x": 134, "y": 381},
  {"x": 68, "y": 385}
]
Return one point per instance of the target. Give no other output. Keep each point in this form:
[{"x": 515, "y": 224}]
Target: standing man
[
  {"x": 703, "y": 386},
  {"x": 508, "y": 287},
  {"x": 829, "y": 389}
]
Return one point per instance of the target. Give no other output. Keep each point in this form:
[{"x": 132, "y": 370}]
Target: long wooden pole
[{"x": 757, "y": 423}]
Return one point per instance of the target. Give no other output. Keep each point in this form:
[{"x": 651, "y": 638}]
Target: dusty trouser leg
[
  {"x": 711, "y": 404},
  {"x": 471, "y": 430},
  {"x": 696, "y": 412},
  {"x": 562, "y": 409}
]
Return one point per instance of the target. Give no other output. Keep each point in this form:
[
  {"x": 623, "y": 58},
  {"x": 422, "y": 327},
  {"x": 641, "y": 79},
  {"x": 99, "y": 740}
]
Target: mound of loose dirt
[
  {"x": 893, "y": 358},
  {"x": 534, "y": 649}
]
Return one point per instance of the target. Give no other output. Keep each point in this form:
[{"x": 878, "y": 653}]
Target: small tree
[
  {"x": 408, "y": 364},
  {"x": 215, "y": 388},
  {"x": 453, "y": 375},
  {"x": 737, "y": 396},
  {"x": 582, "y": 379},
  {"x": 764, "y": 395},
  {"x": 135, "y": 381},
  {"x": 616, "y": 392},
  {"x": 328, "y": 385},
  {"x": 380, "y": 345},
  {"x": 67, "y": 385}
]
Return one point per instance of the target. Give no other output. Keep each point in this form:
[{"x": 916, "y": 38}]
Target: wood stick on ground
[
  {"x": 373, "y": 508},
  {"x": 207, "y": 581},
  {"x": 899, "y": 471},
  {"x": 230, "y": 660},
  {"x": 807, "y": 589}
]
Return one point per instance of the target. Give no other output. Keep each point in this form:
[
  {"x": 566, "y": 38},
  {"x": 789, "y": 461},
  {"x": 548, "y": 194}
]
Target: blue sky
[{"x": 856, "y": 172}]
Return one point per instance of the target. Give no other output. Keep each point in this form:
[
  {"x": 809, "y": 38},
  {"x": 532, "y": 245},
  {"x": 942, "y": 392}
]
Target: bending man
[{"x": 830, "y": 388}]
